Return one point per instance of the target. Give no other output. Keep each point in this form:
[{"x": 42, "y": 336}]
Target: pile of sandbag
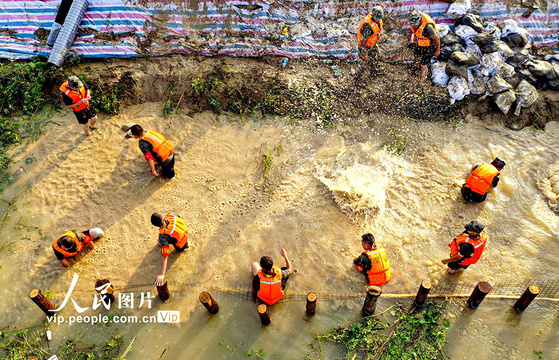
[{"x": 492, "y": 59}]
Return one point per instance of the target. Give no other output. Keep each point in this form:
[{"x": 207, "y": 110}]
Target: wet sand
[{"x": 326, "y": 187}]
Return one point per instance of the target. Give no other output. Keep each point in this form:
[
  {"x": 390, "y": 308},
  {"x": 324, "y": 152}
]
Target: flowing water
[{"x": 323, "y": 188}]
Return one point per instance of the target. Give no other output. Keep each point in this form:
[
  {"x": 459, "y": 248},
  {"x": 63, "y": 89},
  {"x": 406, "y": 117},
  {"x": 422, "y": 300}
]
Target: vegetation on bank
[
  {"x": 31, "y": 343},
  {"x": 410, "y": 335},
  {"x": 245, "y": 94}
]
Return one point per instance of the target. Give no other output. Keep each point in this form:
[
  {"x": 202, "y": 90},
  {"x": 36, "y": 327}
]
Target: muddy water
[{"x": 323, "y": 189}]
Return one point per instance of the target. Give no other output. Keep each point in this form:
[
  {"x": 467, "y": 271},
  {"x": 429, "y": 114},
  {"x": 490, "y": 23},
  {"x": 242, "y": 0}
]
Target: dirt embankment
[{"x": 325, "y": 91}]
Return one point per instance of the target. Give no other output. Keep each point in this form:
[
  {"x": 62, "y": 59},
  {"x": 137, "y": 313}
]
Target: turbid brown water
[{"x": 324, "y": 188}]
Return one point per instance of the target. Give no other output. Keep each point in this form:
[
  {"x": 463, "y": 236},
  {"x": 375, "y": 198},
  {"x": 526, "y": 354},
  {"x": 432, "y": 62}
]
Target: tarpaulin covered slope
[{"x": 116, "y": 28}]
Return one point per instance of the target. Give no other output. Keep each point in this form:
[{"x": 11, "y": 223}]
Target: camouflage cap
[
  {"x": 415, "y": 18},
  {"x": 475, "y": 226},
  {"x": 75, "y": 82},
  {"x": 378, "y": 13}
]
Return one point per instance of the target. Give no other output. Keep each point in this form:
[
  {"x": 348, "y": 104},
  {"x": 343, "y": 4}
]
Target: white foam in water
[
  {"x": 548, "y": 183},
  {"x": 358, "y": 189}
]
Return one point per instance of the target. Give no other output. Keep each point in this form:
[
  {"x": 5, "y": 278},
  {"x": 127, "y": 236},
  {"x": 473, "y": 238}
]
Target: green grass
[
  {"x": 395, "y": 142},
  {"x": 410, "y": 335},
  {"x": 20, "y": 343},
  {"x": 453, "y": 120},
  {"x": 267, "y": 164}
]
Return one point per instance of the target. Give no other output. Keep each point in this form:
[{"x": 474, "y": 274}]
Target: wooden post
[
  {"x": 370, "y": 305},
  {"x": 522, "y": 303},
  {"x": 311, "y": 303},
  {"x": 264, "y": 314},
  {"x": 482, "y": 289},
  {"x": 208, "y": 301},
  {"x": 42, "y": 302},
  {"x": 163, "y": 291},
  {"x": 107, "y": 295},
  {"x": 422, "y": 293}
]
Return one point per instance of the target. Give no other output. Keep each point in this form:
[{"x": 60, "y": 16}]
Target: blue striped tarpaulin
[{"x": 318, "y": 28}]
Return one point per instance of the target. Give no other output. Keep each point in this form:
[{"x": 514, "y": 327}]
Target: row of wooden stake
[{"x": 369, "y": 306}]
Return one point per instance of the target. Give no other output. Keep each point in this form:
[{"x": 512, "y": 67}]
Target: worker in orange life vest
[
  {"x": 76, "y": 97},
  {"x": 373, "y": 262},
  {"x": 269, "y": 281},
  {"x": 156, "y": 149},
  {"x": 483, "y": 177},
  {"x": 172, "y": 231},
  {"x": 425, "y": 41},
  {"x": 368, "y": 34},
  {"x": 467, "y": 248},
  {"x": 71, "y": 243}
]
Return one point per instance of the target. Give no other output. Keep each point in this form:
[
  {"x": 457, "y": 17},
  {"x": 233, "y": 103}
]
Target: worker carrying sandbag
[
  {"x": 466, "y": 249},
  {"x": 483, "y": 177},
  {"x": 368, "y": 34},
  {"x": 72, "y": 242},
  {"x": 424, "y": 40},
  {"x": 373, "y": 262}
]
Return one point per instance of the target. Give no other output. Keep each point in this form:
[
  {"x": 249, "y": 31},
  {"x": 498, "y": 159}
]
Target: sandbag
[
  {"x": 490, "y": 64},
  {"x": 509, "y": 26},
  {"x": 518, "y": 59},
  {"x": 472, "y": 20},
  {"x": 551, "y": 58},
  {"x": 463, "y": 58},
  {"x": 465, "y": 32},
  {"x": 498, "y": 85},
  {"x": 458, "y": 88},
  {"x": 514, "y": 80},
  {"x": 446, "y": 51},
  {"x": 477, "y": 83},
  {"x": 493, "y": 28},
  {"x": 96, "y": 233},
  {"x": 542, "y": 69},
  {"x": 503, "y": 49},
  {"x": 443, "y": 30},
  {"x": 553, "y": 84},
  {"x": 486, "y": 41},
  {"x": 453, "y": 69},
  {"x": 505, "y": 100},
  {"x": 458, "y": 8},
  {"x": 526, "y": 74},
  {"x": 506, "y": 71},
  {"x": 556, "y": 68},
  {"x": 438, "y": 74},
  {"x": 526, "y": 95},
  {"x": 451, "y": 38},
  {"x": 515, "y": 40},
  {"x": 475, "y": 51}
]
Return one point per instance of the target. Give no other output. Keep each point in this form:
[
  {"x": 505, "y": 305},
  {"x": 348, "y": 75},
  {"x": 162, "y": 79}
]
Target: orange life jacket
[
  {"x": 478, "y": 244},
  {"x": 376, "y": 26},
  {"x": 161, "y": 146},
  {"x": 270, "y": 287},
  {"x": 380, "y": 271},
  {"x": 176, "y": 229},
  {"x": 75, "y": 95},
  {"x": 419, "y": 39},
  {"x": 481, "y": 178},
  {"x": 79, "y": 245}
]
